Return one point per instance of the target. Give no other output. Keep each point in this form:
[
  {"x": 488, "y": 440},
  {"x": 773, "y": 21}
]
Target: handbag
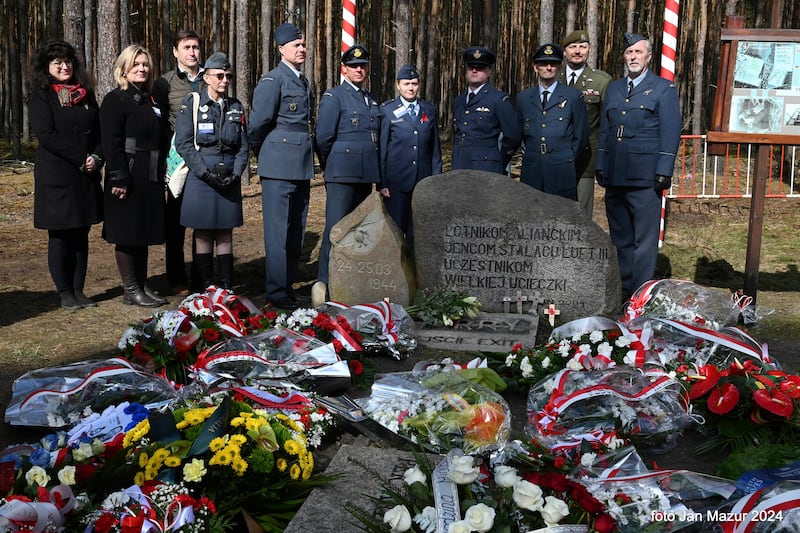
[{"x": 177, "y": 169}]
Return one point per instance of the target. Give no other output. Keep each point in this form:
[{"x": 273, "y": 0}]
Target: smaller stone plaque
[
  {"x": 369, "y": 259},
  {"x": 487, "y": 332}
]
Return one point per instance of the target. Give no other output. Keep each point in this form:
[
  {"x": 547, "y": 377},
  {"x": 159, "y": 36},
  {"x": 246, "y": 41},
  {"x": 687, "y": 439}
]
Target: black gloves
[
  {"x": 600, "y": 177},
  {"x": 662, "y": 183},
  {"x": 219, "y": 177}
]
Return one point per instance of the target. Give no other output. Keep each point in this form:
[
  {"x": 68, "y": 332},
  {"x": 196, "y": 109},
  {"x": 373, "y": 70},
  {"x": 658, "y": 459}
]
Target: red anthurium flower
[
  {"x": 790, "y": 386},
  {"x": 774, "y": 401},
  {"x": 723, "y": 399},
  {"x": 706, "y": 378}
]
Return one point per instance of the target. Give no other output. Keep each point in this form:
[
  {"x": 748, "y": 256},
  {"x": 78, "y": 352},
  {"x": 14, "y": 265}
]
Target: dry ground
[{"x": 705, "y": 241}]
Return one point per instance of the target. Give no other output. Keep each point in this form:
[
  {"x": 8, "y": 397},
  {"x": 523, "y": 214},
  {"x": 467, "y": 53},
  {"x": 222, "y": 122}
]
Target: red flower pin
[{"x": 424, "y": 118}]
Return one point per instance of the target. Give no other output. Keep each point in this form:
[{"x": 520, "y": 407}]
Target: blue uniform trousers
[
  {"x": 633, "y": 215},
  {"x": 285, "y": 205},
  {"x": 342, "y": 199},
  {"x": 399, "y": 207}
]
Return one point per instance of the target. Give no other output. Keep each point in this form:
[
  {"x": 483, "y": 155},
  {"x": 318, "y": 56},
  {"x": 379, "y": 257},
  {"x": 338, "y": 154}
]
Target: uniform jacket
[
  {"x": 132, "y": 127},
  {"x": 639, "y": 135},
  {"x": 478, "y": 128},
  {"x": 170, "y": 89},
  {"x": 409, "y": 147},
  {"x": 593, "y": 84},
  {"x": 65, "y": 197},
  {"x": 347, "y": 136},
  {"x": 280, "y": 125},
  {"x": 554, "y": 137},
  {"x": 221, "y": 131}
]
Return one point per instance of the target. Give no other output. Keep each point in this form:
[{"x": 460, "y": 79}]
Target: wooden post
[{"x": 756, "y": 225}]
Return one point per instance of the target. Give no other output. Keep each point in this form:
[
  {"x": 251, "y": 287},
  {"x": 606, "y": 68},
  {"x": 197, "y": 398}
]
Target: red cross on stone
[{"x": 551, "y": 313}]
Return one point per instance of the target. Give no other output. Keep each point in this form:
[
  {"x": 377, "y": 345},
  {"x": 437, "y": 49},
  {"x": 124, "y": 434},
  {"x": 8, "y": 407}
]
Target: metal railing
[{"x": 699, "y": 174}]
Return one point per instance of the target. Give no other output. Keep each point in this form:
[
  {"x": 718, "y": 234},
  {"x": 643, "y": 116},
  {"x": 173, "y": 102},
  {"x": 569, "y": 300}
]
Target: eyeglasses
[
  {"x": 220, "y": 75},
  {"x": 61, "y": 63}
]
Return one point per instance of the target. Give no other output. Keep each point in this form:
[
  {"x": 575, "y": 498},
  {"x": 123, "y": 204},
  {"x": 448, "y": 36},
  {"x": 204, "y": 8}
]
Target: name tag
[
  {"x": 399, "y": 112},
  {"x": 157, "y": 111},
  {"x": 205, "y": 127}
]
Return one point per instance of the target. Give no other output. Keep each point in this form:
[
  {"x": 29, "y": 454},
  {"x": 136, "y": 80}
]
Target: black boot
[
  {"x": 140, "y": 262},
  {"x": 225, "y": 270},
  {"x": 68, "y": 300},
  {"x": 204, "y": 270},
  {"x": 83, "y": 299},
  {"x": 133, "y": 293}
]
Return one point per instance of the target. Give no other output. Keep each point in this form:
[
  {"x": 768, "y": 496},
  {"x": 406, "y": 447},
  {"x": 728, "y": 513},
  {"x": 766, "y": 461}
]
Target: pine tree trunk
[
  {"x": 73, "y": 24},
  {"x": 402, "y": 33},
  {"x": 546, "y": 21},
  {"x": 699, "y": 81},
  {"x": 107, "y": 45}
]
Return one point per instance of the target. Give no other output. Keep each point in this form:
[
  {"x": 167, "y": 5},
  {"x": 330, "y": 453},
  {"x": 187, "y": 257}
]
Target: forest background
[{"x": 431, "y": 34}]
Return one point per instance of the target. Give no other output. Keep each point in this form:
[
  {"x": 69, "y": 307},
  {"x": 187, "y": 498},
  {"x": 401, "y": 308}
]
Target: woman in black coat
[
  {"x": 67, "y": 195},
  {"x": 133, "y": 132}
]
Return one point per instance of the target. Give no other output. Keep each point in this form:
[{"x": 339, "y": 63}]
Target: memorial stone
[
  {"x": 511, "y": 245},
  {"x": 369, "y": 259}
]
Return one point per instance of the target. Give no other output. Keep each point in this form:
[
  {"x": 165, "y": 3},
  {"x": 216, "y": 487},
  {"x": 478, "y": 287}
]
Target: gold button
[{"x": 624, "y": 112}]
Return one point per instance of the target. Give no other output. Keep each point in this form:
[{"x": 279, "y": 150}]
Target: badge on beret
[
  {"x": 476, "y": 54},
  {"x": 548, "y": 50},
  {"x": 293, "y": 107},
  {"x": 357, "y": 52}
]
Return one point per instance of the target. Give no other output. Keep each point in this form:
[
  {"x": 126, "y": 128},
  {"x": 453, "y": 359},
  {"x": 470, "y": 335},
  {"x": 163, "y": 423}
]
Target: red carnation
[
  {"x": 271, "y": 315},
  {"x": 105, "y": 522},
  {"x": 356, "y": 367},
  {"x": 604, "y": 523},
  {"x": 309, "y": 332},
  {"x": 558, "y": 462},
  {"x": 210, "y": 334}
]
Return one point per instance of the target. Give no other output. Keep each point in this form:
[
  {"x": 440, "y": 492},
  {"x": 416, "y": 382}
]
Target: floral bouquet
[
  {"x": 58, "y": 396},
  {"x": 47, "y": 511},
  {"x": 439, "y": 410},
  {"x": 243, "y": 459},
  {"x": 683, "y": 301},
  {"x": 443, "y": 306},
  {"x": 594, "y": 343},
  {"x": 157, "y": 506},
  {"x": 464, "y": 494},
  {"x": 381, "y": 327},
  {"x": 572, "y": 406}
]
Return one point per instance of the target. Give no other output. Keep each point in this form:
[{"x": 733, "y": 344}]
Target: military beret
[
  {"x": 407, "y": 72},
  {"x": 633, "y": 38},
  {"x": 478, "y": 56},
  {"x": 548, "y": 53},
  {"x": 578, "y": 36},
  {"x": 217, "y": 60},
  {"x": 355, "y": 55},
  {"x": 286, "y": 33}
]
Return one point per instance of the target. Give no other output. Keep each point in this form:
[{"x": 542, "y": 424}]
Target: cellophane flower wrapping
[
  {"x": 773, "y": 509},
  {"x": 641, "y": 500},
  {"x": 59, "y": 396},
  {"x": 270, "y": 354},
  {"x": 439, "y": 411},
  {"x": 383, "y": 326},
  {"x": 684, "y": 301},
  {"x": 571, "y": 406}
]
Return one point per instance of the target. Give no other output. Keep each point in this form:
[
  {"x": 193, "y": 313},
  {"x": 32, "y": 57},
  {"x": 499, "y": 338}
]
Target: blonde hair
[{"x": 125, "y": 62}]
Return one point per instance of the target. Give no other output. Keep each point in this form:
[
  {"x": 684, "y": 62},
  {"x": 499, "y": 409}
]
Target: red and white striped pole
[
  {"x": 348, "y": 26},
  {"x": 669, "y": 44}
]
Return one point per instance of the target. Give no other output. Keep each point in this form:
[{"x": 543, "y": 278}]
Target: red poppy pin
[{"x": 424, "y": 118}]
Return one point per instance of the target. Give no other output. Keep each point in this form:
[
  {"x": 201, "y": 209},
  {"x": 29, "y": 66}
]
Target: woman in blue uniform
[
  {"x": 409, "y": 148},
  {"x": 133, "y": 129},
  {"x": 215, "y": 149}
]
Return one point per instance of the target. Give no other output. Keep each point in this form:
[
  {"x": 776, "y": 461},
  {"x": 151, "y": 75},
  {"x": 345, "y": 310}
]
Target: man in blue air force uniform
[
  {"x": 281, "y": 135},
  {"x": 555, "y": 127},
  {"x": 486, "y": 129},
  {"x": 640, "y": 129},
  {"x": 348, "y": 127},
  {"x": 409, "y": 148}
]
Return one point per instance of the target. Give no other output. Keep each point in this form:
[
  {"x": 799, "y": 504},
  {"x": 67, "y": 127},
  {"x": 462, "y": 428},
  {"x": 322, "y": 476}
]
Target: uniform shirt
[
  {"x": 486, "y": 131},
  {"x": 639, "y": 135},
  {"x": 281, "y": 125}
]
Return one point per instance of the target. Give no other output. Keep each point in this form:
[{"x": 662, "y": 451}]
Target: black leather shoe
[
  {"x": 83, "y": 300},
  {"x": 287, "y": 304}
]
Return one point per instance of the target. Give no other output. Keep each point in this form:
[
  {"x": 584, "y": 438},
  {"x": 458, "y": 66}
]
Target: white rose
[
  {"x": 622, "y": 342},
  {"x": 574, "y": 364},
  {"x": 526, "y": 367},
  {"x": 528, "y": 496},
  {"x": 596, "y": 336},
  {"x": 480, "y": 518},
  {"x": 414, "y": 475},
  {"x": 398, "y": 518},
  {"x": 427, "y": 520},
  {"x": 546, "y": 361},
  {"x": 83, "y": 452},
  {"x": 585, "y": 349},
  {"x": 510, "y": 358},
  {"x": 554, "y": 510},
  {"x": 37, "y": 475},
  {"x": 461, "y": 470},
  {"x": 604, "y": 349},
  {"x": 459, "y": 527},
  {"x": 505, "y": 476},
  {"x": 577, "y": 337},
  {"x": 67, "y": 475},
  {"x": 587, "y": 459}
]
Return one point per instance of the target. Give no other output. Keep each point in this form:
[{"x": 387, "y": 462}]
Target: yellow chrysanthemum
[
  {"x": 281, "y": 463},
  {"x": 150, "y": 473},
  {"x": 139, "y": 478},
  {"x": 143, "y": 459},
  {"x": 217, "y": 444},
  {"x": 239, "y": 466},
  {"x": 172, "y": 461},
  {"x": 307, "y": 473},
  {"x": 161, "y": 454},
  {"x": 292, "y": 447},
  {"x": 238, "y": 440},
  {"x": 294, "y": 471},
  {"x": 306, "y": 460},
  {"x": 223, "y": 457},
  {"x": 136, "y": 433}
]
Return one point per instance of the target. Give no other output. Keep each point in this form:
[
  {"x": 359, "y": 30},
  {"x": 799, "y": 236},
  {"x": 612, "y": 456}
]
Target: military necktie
[
  {"x": 470, "y": 94},
  {"x": 412, "y": 110},
  {"x": 630, "y": 88},
  {"x": 571, "y": 79},
  {"x": 544, "y": 98}
]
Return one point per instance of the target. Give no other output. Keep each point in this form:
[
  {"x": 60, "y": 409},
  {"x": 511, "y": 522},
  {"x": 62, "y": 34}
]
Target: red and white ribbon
[{"x": 757, "y": 512}]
